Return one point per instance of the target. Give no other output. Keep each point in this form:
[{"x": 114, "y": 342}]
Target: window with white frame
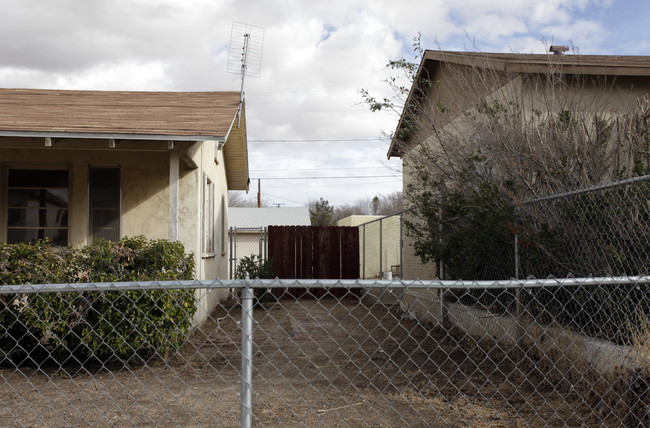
[
  {"x": 104, "y": 198},
  {"x": 38, "y": 205},
  {"x": 208, "y": 217},
  {"x": 223, "y": 225}
]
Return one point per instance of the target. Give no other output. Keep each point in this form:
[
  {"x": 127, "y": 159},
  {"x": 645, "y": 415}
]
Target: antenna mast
[{"x": 245, "y": 54}]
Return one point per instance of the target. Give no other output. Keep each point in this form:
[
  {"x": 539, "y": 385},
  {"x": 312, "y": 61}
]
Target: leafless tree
[
  {"x": 379, "y": 204},
  {"x": 530, "y": 133},
  {"x": 486, "y": 137},
  {"x": 242, "y": 199}
]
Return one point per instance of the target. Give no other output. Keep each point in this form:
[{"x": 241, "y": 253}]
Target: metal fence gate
[{"x": 246, "y": 242}]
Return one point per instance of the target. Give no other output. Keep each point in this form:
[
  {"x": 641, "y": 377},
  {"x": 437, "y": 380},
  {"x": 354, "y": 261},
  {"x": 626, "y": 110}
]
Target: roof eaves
[
  {"x": 116, "y": 136},
  {"x": 533, "y": 63},
  {"x": 393, "y": 150},
  {"x": 530, "y": 63}
]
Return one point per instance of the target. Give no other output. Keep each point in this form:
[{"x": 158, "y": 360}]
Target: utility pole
[{"x": 259, "y": 193}]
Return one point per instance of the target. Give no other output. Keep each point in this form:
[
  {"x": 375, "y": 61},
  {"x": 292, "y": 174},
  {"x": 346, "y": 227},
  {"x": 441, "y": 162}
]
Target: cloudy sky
[{"x": 305, "y": 118}]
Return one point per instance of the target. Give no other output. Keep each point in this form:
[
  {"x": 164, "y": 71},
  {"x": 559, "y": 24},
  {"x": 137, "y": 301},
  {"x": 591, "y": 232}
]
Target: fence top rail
[
  {"x": 325, "y": 283},
  {"x": 247, "y": 229},
  {"x": 400, "y": 212},
  {"x": 598, "y": 187}
]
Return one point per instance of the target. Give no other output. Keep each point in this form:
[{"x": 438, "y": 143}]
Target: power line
[
  {"x": 324, "y": 178},
  {"x": 316, "y": 140},
  {"x": 331, "y": 186},
  {"x": 280, "y": 197},
  {"x": 324, "y": 169}
]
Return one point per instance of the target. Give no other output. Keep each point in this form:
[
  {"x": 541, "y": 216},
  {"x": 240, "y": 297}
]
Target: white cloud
[
  {"x": 127, "y": 76},
  {"x": 316, "y": 57}
]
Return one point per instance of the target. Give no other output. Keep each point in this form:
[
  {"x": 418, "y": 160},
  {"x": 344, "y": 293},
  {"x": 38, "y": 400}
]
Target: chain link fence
[
  {"x": 598, "y": 231},
  {"x": 246, "y": 242},
  {"x": 380, "y": 245},
  {"x": 384, "y": 359},
  {"x": 498, "y": 348}
]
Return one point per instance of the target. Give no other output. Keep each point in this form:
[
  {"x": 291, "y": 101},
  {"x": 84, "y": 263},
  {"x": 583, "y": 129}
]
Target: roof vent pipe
[{"x": 558, "y": 49}]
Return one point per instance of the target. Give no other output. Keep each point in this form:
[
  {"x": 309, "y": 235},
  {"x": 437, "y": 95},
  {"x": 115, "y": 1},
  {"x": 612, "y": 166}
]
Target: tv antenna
[{"x": 245, "y": 54}]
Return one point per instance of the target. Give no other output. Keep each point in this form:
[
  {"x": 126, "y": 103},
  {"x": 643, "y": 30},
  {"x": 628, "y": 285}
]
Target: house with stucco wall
[
  {"x": 455, "y": 82},
  {"x": 80, "y": 165}
]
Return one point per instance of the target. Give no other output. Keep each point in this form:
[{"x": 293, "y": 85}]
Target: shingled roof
[
  {"x": 138, "y": 115},
  {"x": 601, "y": 65},
  {"x": 612, "y": 65}
]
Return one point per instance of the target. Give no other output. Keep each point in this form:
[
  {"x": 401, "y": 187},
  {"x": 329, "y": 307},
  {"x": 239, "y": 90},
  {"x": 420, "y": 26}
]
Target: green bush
[
  {"x": 88, "y": 326},
  {"x": 471, "y": 230},
  {"x": 257, "y": 268}
]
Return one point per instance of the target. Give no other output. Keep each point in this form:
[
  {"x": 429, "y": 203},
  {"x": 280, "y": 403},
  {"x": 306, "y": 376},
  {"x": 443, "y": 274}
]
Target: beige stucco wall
[
  {"x": 145, "y": 198},
  {"x": 370, "y": 240},
  {"x": 356, "y": 220},
  {"x": 145, "y": 178},
  {"x": 592, "y": 95},
  {"x": 208, "y": 266},
  {"x": 412, "y": 268}
]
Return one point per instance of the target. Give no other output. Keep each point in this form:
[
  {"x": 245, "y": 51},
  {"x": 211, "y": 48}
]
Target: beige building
[
  {"x": 78, "y": 165},
  {"x": 379, "y": 244},
  {"x": 458, "y": 81},
  {"x": 449, "y": 86}
]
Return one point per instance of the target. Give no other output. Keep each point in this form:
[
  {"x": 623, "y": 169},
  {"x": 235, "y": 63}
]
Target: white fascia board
[{"x": 104, "y": 136}]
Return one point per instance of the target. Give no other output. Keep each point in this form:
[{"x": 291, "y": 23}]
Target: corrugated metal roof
[
  {"x": 118, "y": 112},
  {"x": 263, "y": 217}
]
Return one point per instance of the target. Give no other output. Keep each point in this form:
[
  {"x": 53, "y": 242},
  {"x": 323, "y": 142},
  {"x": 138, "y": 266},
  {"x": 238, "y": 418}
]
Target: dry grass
[
  {"x": 637, "y": 397},
  {"x": 640, "y": 333}
]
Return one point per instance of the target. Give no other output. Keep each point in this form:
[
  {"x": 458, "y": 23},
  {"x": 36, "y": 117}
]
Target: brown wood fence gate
[{"x": 314, "y": 252}]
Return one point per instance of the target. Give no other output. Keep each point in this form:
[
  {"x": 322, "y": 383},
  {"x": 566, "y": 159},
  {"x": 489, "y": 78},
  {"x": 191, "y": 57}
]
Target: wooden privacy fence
[{"x": 314, "y": 252}]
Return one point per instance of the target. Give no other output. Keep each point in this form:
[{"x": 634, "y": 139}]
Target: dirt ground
[{"x": 316, "y": 363}]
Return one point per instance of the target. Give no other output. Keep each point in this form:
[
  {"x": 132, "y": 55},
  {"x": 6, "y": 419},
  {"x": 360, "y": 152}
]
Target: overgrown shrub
[
  {"x": 594, "y": 234},
  {"x": 257, "y": 268},
  {"x": 80, "y": 327}
]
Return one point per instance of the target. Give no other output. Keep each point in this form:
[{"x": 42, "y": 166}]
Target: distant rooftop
[{"x": 262, "y": 217}]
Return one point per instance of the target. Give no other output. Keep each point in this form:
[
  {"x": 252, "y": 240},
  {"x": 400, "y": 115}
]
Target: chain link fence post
[
  {"x": 231, "y": 254},
  {"x": 247, "y": 354},
  {"x": 381, "y": 265},
  {"x": 444, "y": 309},
  {"x": 363, "y": 265},
  {"x": 518, "y": 303}
]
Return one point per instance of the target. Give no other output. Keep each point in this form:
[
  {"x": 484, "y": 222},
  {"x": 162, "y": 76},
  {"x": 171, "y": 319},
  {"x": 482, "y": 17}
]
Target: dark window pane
[
  {"x": 104, "y": 199},
  {"x": 38, "y": 198},
  {"x": 38, "y": 178},
  {"x": 104, "y": 187},
  {"x": 104, "y": 218},
  {"x": 15, "y": 236},
  {"x": 35, "y": 217},
  {"x": 37, "y": 206},
  {"x": 57, "y": 236},
  {"x": 107, "y": 234}
]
